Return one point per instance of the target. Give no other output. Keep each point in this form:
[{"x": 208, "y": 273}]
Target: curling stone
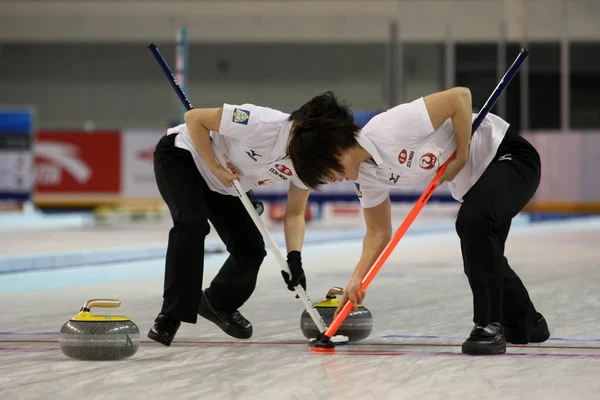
[
  {"x": 357, "y": 326},
  {"x": 99, "y": 337}
]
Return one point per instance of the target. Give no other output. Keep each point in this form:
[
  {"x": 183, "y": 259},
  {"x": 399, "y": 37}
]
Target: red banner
[{"x": 78, "y": 162}]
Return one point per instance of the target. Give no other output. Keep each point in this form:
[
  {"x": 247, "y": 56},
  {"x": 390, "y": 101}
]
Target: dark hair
[
  {"x": 325, "y": 105},
  {"x": 322, "y": 129}
]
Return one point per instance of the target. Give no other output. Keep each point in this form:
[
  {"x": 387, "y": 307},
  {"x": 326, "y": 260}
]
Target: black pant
[
  {"x": 483, "y": 223},
  {"x": 192, "y": 204}
]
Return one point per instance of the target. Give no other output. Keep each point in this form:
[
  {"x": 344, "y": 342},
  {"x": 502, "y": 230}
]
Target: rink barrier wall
[{"x": 72, "y": 171}]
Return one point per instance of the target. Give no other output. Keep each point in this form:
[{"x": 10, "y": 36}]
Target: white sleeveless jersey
[
  {"x": 407, "y": 152},
  {"x": 254, "y": 139}
]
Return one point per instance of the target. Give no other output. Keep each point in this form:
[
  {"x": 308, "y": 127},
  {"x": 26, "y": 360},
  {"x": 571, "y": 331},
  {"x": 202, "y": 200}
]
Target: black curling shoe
[
  {"x": 539, "y": 332},
  {"x": 232, "y": 323},
  {"x": 488, "y": 340},
  {"x": 164, "y": 329}
]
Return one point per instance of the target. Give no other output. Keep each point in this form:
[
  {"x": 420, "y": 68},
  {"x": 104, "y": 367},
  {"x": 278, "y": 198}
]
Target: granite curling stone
[
  {"x": 357, "y": 325},
  {"x": 99, "y": 337}
]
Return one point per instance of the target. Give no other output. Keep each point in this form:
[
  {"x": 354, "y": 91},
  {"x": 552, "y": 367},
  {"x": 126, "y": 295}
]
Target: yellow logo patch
[{"x": 241, "y": 116}]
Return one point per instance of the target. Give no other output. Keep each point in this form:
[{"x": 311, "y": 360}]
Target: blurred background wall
[{"x": 84, "y": 65}]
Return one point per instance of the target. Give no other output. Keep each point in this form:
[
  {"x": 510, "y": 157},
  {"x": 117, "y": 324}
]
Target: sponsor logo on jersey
[
  {"x": 241, "y": 116},
  {"x": 394, "y": 178},
  {"x": 283, "y": 169},
  {"x": 265, "y": 182},
  {"x": 252, "y": 154},
  {"x": 506, "y": 157},
  {"x": 410, "y": 159},
  {"x": 402, "y": 156},
  {"x": 358, "y": 192},
  {"x": 427, "y": 161}
]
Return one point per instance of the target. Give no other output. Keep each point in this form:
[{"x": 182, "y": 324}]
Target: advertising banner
[
  {"x": 76, "y": 163},
  {"x": 137, "y": 172},
  {"x": 16, "y": 155},
  {"x": 570, "y": 166}
]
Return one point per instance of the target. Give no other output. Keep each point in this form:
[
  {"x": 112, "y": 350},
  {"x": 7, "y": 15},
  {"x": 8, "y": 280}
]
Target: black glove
[
  {"x": 258, "y": 205},
  {"x": 294, "y": 261}
]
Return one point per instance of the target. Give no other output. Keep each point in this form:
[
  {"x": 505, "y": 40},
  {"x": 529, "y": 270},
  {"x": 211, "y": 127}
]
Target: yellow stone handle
[
  {"x": 331, "y": 296},
  {"x": 335, "y": 291},
  {"x": 104, "y": 303}
]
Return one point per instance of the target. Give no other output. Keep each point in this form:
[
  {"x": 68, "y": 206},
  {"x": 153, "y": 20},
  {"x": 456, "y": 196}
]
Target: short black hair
[
  {"x": 323, "y": 128},
  {"x": 325, "y": 105}
]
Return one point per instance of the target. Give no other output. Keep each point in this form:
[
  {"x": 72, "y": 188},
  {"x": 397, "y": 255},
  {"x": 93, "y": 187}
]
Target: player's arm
[
  {"x": 200, "y": 121},
  {"x": 454, "y": 104},
  {"x": 294, "y": 228},
  {"x": 294, "y": 224},
  {"x": 379, "y": 231},
  {"x": 378, "y": 221}
]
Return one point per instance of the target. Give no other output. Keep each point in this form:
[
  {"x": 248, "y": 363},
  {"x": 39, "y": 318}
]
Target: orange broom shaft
[{"x": 368, "y": 278}]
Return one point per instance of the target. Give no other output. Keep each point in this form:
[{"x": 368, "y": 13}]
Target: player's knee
[
  {"x": 472, "y": 221},
  {"x": 253, "y": 254},
  {"x": 193, "y": 225}
]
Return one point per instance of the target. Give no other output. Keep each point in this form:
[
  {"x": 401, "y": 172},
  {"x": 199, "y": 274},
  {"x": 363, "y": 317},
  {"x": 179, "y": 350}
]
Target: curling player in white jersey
[
  {"x": 197, "y": 189},
  {"x": 494, "y": 175}
]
